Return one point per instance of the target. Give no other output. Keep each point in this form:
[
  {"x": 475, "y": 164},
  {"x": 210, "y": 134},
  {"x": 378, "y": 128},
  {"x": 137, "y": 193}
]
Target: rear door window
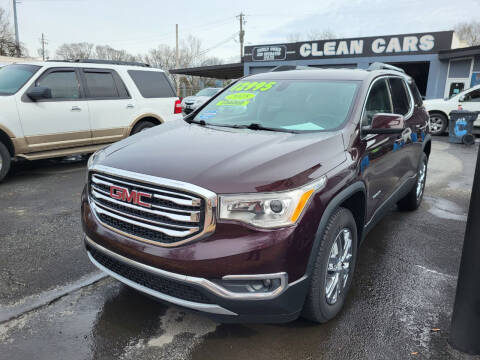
[
  {"x": 378, "y": 101},
  {"x": 104, "y": 84},
  {"x": 152, "y": 84},
  {"x": 64, "y": 84},
  {"x": 400, "y": 96}
]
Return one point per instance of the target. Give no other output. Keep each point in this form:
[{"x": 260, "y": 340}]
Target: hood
[
  {"x": 227, "y": 160},
  {"x": 434, "y": 102}
]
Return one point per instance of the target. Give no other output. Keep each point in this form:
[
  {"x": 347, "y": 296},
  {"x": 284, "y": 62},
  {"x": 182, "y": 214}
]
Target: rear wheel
[
  {"x": 142, "y": 126},
  {"x": 438, "y": 123},
  {"x": 5, "y": 161},
  {"x": 414, "y": 198},
  {"x": 333, "y": 269}
]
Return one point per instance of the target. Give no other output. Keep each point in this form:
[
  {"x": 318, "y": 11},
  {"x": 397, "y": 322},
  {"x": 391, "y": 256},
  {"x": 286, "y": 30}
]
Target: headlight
[
  {"x": 269, "y": 210},
  {"x": 95, "y": 158}
]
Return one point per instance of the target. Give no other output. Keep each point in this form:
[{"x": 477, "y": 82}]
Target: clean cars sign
[{"x": 354, "y": 47}]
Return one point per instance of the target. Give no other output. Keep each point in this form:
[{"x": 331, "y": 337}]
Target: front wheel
[
  {"x": 333, "y": 269},
  {"x": 438, "y": 124},
  {"x": 5, "y": 161}
]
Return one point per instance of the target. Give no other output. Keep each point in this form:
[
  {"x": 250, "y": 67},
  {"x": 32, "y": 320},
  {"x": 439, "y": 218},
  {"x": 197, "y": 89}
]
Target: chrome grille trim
[
  {"x": 190, "y": 208},
  {"x": 187, "y": 218},
  {"x": 191, "y": 202},
  {"x": 168, "y": 232}
]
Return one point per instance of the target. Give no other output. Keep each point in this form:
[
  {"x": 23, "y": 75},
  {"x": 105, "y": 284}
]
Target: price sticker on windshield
[{"x": 253, "y": 85}]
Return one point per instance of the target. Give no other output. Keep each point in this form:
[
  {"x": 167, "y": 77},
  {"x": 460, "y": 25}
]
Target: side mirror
[
  {"x": 39, "y": 93},
  {"x": 385, "y": 124},
  {"x": 461, "y": 98}
]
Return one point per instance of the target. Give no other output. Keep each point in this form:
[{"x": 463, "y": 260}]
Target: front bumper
[{"x": 283, "y": 304}]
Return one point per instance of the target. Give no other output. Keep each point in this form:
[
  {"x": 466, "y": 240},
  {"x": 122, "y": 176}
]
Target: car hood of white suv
[{"x": 196, "y": 100}]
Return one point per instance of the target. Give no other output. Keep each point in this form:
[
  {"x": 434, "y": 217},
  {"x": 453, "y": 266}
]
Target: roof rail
[
  {"x": 109, "y": 62},
  {"x": 291, "y": 67},
  {"x": 383, "y": 66}
]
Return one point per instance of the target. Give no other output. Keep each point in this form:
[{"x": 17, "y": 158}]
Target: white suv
[
  {"x": 53, "y": 109},
  {"x": 439, "y": 109}
]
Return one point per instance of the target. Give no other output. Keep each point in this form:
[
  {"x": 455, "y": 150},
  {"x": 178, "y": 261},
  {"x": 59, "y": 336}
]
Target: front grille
[
  {"x": 161, "y": 215},
  {"x": 155, "y": 282}
]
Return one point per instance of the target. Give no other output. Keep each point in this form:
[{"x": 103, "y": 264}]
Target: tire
[
  {"x": 413, "y": 199},
  {"x": 320, "y": 305},
  {"x": 438, "y": 123},
  {"x": 5, "y": 161},
  {"x": 141, "y": 126}
]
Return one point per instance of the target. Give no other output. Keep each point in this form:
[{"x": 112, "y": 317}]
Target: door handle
[
  {"x": 130, "y": 106},
  {"x": 76, "y": 108}
]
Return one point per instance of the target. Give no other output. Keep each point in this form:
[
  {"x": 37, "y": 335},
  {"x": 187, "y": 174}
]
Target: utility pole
[
  {"x": 241, "y": 17},
  {"x": 15, "y": 21},
  {"x": 44, "y": 42},
  {"x": 177, "y": 60}
]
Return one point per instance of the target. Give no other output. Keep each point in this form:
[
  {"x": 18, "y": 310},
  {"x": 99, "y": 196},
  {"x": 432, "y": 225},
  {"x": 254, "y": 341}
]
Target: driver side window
[
  {"x": 473, "y": 96},
  {"x": 378, "y": 102},
  {"x": 63, "y": 84}
]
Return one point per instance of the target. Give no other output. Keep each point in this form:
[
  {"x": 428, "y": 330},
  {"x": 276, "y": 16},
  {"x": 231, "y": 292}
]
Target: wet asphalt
[{"x": 55, "y": 305}]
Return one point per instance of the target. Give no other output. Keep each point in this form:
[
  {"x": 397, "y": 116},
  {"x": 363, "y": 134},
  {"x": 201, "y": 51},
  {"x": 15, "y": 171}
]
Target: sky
[{"x": 138, "y": 26}]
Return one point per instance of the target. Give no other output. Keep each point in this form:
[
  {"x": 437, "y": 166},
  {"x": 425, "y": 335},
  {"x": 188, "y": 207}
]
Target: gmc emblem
[{"x": 134, "y": 197}]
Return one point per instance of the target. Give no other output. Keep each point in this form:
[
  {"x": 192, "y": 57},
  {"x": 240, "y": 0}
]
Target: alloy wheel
[
  {"x": 421, "y": 180},
  {"x": 338, "y": 266},
  {"x": 436, "y": 124}
]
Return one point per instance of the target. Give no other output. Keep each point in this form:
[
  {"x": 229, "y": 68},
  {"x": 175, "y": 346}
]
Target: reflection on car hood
[
  {"x": 192, "y": 99},
  {"x": 228, "y": 160}
]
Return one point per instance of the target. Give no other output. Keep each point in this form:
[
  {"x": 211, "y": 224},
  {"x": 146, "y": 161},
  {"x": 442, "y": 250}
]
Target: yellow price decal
[
  {"x": 253, "y": 85},
  {"x": 240, "y": 96},
  {"x": 233, "y": 103}
]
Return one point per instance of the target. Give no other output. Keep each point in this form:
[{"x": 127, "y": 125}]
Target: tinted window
[
  {"x": 13, "y": 77},
  {"x": 417, "y": 97},
  {"x": 101, "y": 85},
  {"x": 63, "y": 84},
  {"x": 473, "y": 96},
  {"x": 378, "y": 101},
  {"x": 400, "y": 97},
  {"x": 152, "y": 84},
  {"x": 208, "y": 92},
  {"x": 284, "y": 105}
]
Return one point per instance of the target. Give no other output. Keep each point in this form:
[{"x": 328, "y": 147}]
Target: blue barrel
[{"x": 461, "y": 126}]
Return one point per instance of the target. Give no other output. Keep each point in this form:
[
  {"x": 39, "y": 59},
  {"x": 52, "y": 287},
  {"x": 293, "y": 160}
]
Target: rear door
[
  {"x": 409, "y": 144},
  {"x": 112, "y": 109},
  {"x": 60, "y": 122},
  {"x": 157, "y": 95}
]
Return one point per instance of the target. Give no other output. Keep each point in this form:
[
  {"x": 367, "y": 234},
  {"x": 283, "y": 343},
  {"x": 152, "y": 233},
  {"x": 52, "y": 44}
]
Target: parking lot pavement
[{"x": 60, "y": 307}]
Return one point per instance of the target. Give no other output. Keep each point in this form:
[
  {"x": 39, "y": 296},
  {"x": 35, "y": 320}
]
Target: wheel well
[
  {"x": 5, "y": 139},
  {"x": 149, "y": 119},
  {"x": 428, "y": 148},
  {"x": 356, "y": 204},
  {"x": 438, "y": 112}
]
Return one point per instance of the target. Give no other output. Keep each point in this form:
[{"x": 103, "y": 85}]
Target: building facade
[{"x": 433, "y": 59}]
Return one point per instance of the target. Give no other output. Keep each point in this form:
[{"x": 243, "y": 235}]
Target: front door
[
  {"x": 61, "y": 121},
  {"x": 378, "y": 165}
]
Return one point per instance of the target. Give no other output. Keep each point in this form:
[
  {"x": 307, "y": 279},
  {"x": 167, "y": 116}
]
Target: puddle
[{"x": 445, "y": 209}]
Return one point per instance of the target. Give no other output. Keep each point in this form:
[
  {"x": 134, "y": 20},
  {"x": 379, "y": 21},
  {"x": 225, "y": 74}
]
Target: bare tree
[
  {"x": 82, "y": 50},
  {"x": 8, "y": 46},
  {"x": 106, "y": 52},
  {"x": 469, "y": 32},
  {"x": 311, "y": 35}
]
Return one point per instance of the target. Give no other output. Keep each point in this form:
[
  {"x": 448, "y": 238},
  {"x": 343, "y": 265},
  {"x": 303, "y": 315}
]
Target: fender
[
  {"x": 428, "y": 139},
  {"x": 358, "y": 186},
  {"x": 140, "y": 118}
]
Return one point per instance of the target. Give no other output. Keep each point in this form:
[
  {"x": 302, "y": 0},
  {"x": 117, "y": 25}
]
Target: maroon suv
[{"x": 253, "y": 208}]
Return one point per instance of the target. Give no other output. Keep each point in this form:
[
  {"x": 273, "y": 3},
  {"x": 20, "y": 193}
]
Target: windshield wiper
[
  {"x": 255, "y": 126},
  {"x": 199, "y": 122}
]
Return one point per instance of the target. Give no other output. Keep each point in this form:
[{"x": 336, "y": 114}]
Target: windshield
[
  {"x": 13, "y": 77},
  {"x": 207, "y": 92},
  {"x": 282, "y": 105}
]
